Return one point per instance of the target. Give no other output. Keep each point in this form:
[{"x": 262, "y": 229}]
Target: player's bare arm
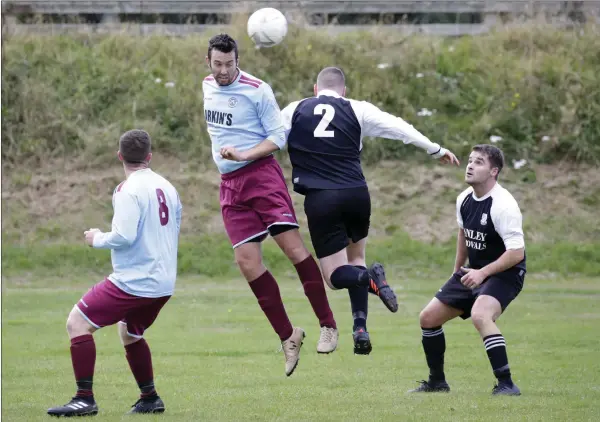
[
  {"x": 509, "y": 259},
  {"x": 461, "y": 250},
  {"x": 266, "y": 147}
]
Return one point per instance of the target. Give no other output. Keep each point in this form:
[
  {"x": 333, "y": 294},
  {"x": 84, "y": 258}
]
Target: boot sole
[{"x": 74, "y": 415}]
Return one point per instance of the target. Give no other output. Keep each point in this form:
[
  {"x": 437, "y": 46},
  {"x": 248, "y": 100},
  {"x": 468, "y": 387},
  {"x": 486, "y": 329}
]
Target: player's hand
[
  {"x": 230, "y": 153},
  {"x": 449, "y": 158},
  {"x": 89, "y": 236},
  {"x": 472, "y": 278}
]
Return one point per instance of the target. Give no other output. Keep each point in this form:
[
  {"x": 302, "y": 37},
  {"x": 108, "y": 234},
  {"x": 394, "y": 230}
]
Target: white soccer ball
[{"x": 267, "y": 27}]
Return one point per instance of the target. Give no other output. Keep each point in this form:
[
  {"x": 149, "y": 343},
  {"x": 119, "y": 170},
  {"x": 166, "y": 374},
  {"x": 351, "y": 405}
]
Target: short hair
[
  {"x": 331, "y": 77},
  {"x": 494, "y": 155},
  {"x": 135, "y": 145},
  {"x": 223, "y": 43}
]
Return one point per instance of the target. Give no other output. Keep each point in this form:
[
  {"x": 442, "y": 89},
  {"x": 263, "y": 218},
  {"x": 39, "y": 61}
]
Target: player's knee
[
  {"x": 76, "y": 325},
  {"x": 247, "y": 260},
  {"x": 481, "y": 317},
  {"x": 428, "y": 318},
  {"x": 296, "y": 252}
]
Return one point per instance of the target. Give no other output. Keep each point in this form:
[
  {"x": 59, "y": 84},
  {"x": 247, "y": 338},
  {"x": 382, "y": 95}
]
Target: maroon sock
[
  {"x": 314, "y": 289},
  {"x": 83, "y": 357},
  {"x": 266, "y": 290},
  {"x": 140, "y": 361}
]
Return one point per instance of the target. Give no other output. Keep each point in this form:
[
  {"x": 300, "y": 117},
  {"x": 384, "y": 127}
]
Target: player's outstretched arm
[
  {"x": 124, "y": 224},
  {"x": 378, "y": 123}
]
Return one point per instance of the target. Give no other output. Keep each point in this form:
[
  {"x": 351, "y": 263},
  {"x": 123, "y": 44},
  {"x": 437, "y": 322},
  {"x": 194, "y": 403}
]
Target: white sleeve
[
  {"x": 378, "y": 123},
  {"x": 508, "y": 223},
  {"x": 178, "y": 214},
  {"x": 286, "y": 115},
  {"x": 270, "y": 117},
  {"x": 124, "y": 223}
]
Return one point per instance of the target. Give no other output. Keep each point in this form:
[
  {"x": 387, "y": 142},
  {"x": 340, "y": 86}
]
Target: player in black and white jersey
[
  {"x": 324, "y": 135},
  {"x": 490, "y": 236}
]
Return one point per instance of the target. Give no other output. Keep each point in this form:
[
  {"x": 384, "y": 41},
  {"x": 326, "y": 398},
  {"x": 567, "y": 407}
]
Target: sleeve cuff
[{"x": 439, "y": 153}]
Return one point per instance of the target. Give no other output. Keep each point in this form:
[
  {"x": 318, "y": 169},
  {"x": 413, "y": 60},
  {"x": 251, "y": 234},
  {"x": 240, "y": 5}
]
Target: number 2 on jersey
[
  {"x": 321, "y": 130},
  {"x": 163, "y": 210}
]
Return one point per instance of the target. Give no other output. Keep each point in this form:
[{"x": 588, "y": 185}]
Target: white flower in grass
[
  {"x": 424, "y": 112},
  {"x": 383, "y": 65},
  {"x": 517, "y": 164},
  {"x": 157, "y": 80},
  {"x": 419, "y": 75},
  {"x": 545, "y": 138},
  {"x": 495, "y": 138},
  {"x": 170, "y": 84}
]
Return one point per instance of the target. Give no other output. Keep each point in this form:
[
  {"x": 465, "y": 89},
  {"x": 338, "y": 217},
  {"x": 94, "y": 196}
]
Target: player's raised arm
[
  {"x": 124, "y": 224},
  {"x": 286, "y": 117},
  {"x": 378, "y": 123},
  {"x": 270, "y": 118}
]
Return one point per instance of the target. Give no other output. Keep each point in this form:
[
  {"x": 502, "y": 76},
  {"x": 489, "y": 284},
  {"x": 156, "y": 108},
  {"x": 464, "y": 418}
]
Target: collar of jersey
[
  {"x": 487, "y": 195},
  {"x": 329, "y": 93}
]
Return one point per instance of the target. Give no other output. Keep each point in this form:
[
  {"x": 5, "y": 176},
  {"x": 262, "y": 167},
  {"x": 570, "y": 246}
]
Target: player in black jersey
[
  {"x": 490, "y": 235},
  {"x": 324, "y": 135}
]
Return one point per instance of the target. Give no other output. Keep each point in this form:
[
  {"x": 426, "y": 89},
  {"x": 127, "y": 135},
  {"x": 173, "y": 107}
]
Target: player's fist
[
  {"x": 89, "y": 236},
  {"x": 449, "y": 158},
  {"x": 230, "y": 153}
]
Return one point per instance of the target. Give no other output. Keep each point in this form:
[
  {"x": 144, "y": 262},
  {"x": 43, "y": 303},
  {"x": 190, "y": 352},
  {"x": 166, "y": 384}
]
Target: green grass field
[{"x": 216, "y": 359}]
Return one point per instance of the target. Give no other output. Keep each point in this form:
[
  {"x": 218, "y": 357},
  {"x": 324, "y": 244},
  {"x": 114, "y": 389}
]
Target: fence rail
[{"x": 312, "y": 6}]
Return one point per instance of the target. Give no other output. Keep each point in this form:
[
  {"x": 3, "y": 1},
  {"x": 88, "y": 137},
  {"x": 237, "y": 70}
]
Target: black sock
[
  {"x": 147, "y": 389},
  {"x": 434, "y": 345},
  {"x": 359, "y": 301},
  {"x": 84, "y": 387},
  {"x": 348, "y": 276},
  {"x": 495, "y": 346}
]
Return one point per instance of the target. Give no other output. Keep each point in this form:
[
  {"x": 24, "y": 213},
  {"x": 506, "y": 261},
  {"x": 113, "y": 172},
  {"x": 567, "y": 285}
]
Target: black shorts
[
  {"x": 335, "y": 216},
  {"x": 504, "y": 287}
]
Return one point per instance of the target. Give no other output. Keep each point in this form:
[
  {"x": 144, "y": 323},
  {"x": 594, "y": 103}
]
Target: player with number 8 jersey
[{"x": 143, "y": 241}]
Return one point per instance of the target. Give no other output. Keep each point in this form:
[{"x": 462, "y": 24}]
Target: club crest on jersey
[
  {"x": 233, "y": 102},
  {"x": 483, "y": 219}
]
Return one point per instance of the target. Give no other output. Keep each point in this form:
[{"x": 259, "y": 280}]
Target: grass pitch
[{"x": 215, "y": 356}]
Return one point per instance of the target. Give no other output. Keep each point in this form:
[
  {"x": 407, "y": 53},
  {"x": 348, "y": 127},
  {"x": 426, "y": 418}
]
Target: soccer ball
[{"x": 267, "y": 27}]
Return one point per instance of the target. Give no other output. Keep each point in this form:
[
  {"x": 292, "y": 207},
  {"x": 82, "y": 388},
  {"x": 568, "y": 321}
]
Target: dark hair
[
  {"x": 223, "y": 43},
  {"x": 331, "y": 77},
  {"x": 135, "y": 146},
  {"x": 493, "y": 154}
]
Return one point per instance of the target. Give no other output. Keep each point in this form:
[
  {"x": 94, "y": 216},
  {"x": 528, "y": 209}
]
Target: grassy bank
[
  {"x": 212, "y": 256},
  {"x": 537, "y": 88}
]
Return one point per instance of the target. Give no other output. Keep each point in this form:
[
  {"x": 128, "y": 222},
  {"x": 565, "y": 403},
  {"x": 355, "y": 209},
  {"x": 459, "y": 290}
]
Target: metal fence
[{"x": 444, "y": 17}]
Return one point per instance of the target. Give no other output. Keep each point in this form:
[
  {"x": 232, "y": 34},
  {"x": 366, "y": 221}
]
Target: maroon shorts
[
  {"x": 253, "y": 199},
  {"x": 105, "y": 304}
]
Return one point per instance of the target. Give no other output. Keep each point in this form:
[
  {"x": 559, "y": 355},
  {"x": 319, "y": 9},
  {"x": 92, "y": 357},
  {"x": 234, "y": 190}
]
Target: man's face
[
  {"x": 479, "y": 169},
  {"x": 223, "y": 66}
]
